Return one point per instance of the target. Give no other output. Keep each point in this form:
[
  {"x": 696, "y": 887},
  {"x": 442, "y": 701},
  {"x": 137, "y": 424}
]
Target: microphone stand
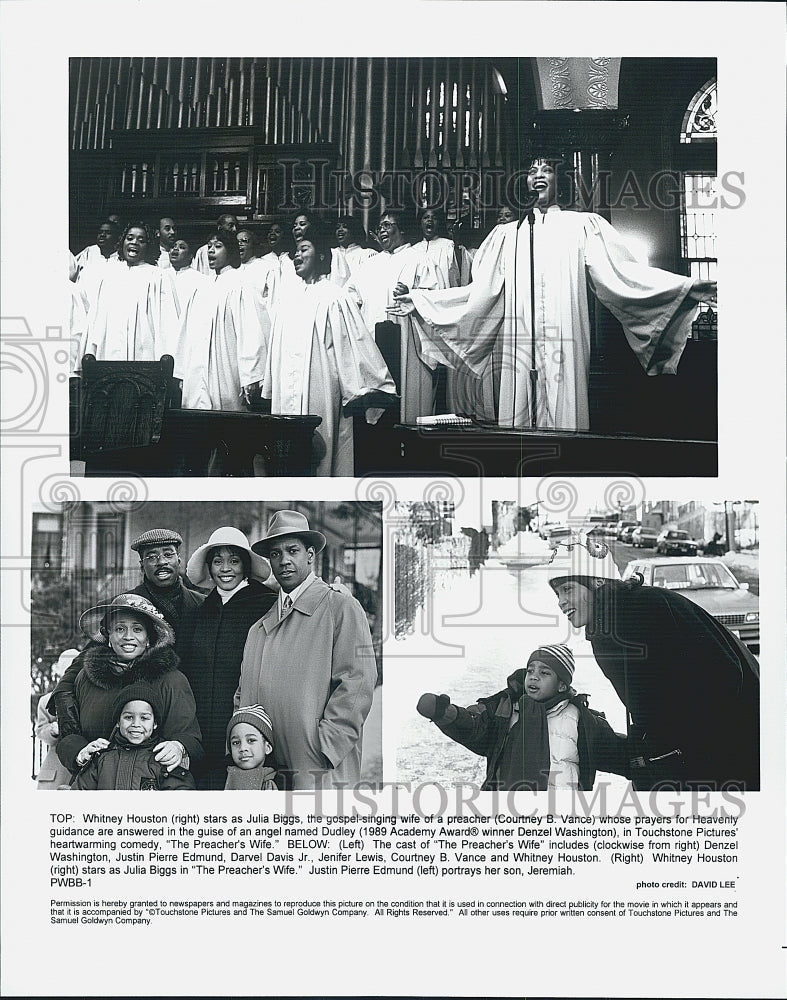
[{"x": 531, "y": 219}]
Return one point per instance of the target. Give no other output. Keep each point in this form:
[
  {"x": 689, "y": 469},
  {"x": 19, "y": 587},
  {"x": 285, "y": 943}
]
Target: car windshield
[{"x": 694, "y": 576}]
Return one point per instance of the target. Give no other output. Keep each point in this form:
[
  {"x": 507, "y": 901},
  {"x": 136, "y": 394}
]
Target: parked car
[
  {"x": 558, "y": 533},
  {"x": 710, "y": 583},
  {"x": 625, "y": 529},
  {"x": 673, "y": 542},
  {"x": 644, "y": 538}
]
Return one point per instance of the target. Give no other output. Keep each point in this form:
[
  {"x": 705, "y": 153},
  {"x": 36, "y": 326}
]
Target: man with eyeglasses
[{"x": 159, "y": 560}]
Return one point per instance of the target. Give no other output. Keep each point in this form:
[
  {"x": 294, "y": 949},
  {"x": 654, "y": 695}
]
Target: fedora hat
[
  {"x": 289, "y": 522},
  {"x": 91, "y": 620},
  {"x": 197, "y": 568}
]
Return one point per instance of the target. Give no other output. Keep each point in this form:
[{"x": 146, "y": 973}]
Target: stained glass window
[
  {"x": 699, "y": 200},
  {"x": 699, "y": 122}
]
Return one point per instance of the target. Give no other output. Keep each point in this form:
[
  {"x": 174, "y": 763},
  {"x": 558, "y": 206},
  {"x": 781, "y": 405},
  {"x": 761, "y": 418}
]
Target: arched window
[
  {"x": 699, "y": 197},
  {"x": 699, "y": 122}
]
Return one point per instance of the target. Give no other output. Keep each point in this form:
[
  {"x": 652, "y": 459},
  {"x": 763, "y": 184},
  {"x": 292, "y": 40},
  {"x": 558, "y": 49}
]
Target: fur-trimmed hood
[{"x": 97, "y": 662}]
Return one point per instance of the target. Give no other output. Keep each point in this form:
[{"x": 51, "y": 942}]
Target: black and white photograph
[
  {"x": 159, "y": 629},
  {"x": 618, "y": 643},
  {"x": 510, "y": 265},
  {"x": 490, "y": 295}
]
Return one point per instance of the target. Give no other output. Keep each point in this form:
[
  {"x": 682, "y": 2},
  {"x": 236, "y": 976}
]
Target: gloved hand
[{"x": 436, "y": 707}]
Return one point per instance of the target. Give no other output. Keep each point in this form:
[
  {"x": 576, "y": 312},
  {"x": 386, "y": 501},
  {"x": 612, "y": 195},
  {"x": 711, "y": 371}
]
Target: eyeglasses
[
  {"x": 153, "y": 557},
  {"x": 599, "y": 550}
]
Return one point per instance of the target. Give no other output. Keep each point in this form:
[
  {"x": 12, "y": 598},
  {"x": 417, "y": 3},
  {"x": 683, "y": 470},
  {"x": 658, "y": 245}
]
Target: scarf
[
  {"x": 256, "y": 779},
  {"x": 169, "y": 600},
  {"x": 525, "y": 752}
]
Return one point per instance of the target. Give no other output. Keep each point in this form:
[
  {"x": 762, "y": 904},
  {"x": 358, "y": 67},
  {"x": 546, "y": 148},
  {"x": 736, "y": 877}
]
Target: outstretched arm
[
  {"x": 468, "y": 726},
  {"x": 703, "y": 291}
]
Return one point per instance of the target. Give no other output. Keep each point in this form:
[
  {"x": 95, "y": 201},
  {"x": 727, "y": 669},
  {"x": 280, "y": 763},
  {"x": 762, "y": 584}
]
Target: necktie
[{"x": 286, "y": 605}]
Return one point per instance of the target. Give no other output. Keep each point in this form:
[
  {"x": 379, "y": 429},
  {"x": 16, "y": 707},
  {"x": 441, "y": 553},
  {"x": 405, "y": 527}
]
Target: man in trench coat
[{"x": 310, "y": 662}]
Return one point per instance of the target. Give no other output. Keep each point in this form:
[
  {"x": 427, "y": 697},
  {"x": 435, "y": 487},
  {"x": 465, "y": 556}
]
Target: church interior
[{"x": 192, "y": 138}]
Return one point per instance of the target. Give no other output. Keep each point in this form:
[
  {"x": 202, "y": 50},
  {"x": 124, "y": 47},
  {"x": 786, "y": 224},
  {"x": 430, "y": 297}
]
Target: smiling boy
[
  {"x": 537, "y": 733},
  {"x": 128, "y": 763},
  {"x": 249, "y": 741}
]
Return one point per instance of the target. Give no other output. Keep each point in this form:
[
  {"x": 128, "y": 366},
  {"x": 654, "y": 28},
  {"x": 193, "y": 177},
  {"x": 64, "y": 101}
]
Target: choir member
[
  {"x": 134, "y": 315},
  {"x": 322, "y": 358},
  {"x": 350, "y": 250},
  {"x": 489, "y": 320},
  {"x": 224, "y": 335}
]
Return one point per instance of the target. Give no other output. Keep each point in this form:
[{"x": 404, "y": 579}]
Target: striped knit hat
[
  {"x": 560, "y": 658},
  {"x": 254, "y": 715}
]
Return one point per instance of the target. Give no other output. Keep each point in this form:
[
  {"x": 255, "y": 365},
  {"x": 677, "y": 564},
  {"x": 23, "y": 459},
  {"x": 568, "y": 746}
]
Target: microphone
[{"x": 527, "y": 205}]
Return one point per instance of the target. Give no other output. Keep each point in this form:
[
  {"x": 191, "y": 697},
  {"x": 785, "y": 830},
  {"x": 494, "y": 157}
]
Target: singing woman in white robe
[
  {"x": 134, "y": 316},
  {"x": 280, "y": 273},
  {"x": 322, "y": 358},
  {"x": 184, "y": 279},
  {"x": 225, "y": 335},
  {"x": 489, "y": 320},
  {"x": 372, "y": 288},
  {"x": 350, "y": 250}
]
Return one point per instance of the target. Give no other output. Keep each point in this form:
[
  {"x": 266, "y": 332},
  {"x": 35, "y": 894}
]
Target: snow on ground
[{"x": 471, "y": 635}]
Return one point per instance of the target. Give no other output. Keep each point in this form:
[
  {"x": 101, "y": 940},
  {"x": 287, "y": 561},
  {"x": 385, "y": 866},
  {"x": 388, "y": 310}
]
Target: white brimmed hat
[
  {"x": 588, "y": 560},
  {"x": 197, "y": 568},
  {"x": 289, "y": 522}
]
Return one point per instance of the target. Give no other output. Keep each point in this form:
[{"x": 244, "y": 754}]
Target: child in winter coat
[
  {"x": 129, "y": 763},
  {"x": 538, "y": 732},
  {"x": 249, "y": 741}
]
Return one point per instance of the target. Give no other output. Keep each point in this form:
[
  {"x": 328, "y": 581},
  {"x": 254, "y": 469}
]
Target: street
[{"x": 472, "y": 634}]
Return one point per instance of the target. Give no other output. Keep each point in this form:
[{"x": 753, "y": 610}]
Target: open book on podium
[{"x": 444, "y": 420}]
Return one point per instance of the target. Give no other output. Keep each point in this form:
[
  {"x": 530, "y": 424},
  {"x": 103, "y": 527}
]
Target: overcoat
[
  {"x": 210, "y": 644},
  {"x": 86, "y": 713},
  {"x": 687, "y": 681},
  {"x": 314, "y": 671}
]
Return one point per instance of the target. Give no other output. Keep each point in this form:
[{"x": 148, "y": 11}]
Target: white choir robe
[
  {"x": 256, "y": 272},
  {"x": 163, "y": 257},
  {"x": 224, "y": 342},
  {"x": 371, "y": 287},
  {"x": 346, "y": 260},
  {"x": 489, "y": 320},
  {"x": 321, "y": 358},
  {"x": 133, "y": 317},
  {"x": 280, "y": 276},
  {"x": 200, "y": 261},
  {"x": 437, "y": 268},
  {"x": 92, "y": 273},
  {"x": 185, "y": 283},
  {"x": 260, "y": 275},
  {"x": 88, "y": 255},
  {"x": 77, "y": 323}
]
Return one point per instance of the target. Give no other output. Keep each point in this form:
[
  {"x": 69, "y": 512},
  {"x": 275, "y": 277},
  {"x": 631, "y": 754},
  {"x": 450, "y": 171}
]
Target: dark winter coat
[
  {"x": 124, "y": 766},
  {"x": 187, "y": 602},
  {"x": 210, "y": 643},
  {"x": 84, "y": 709},
  {"x": 484, "y": 729},
  {"x": 687, "y": 681}
]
